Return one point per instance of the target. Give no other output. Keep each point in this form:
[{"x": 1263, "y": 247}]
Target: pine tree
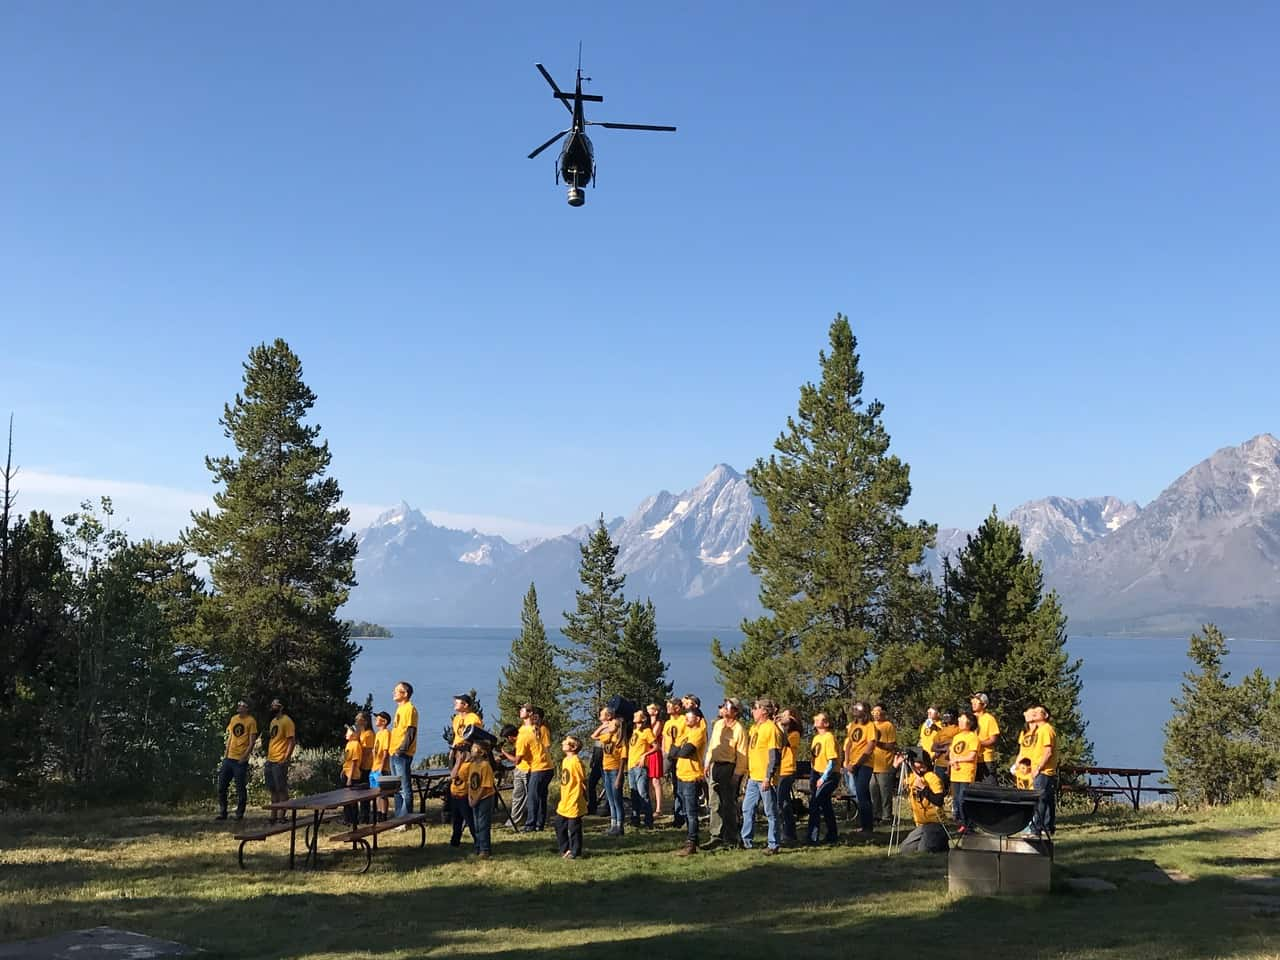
[
  {"x": 1219, "y": 745},
  {"x": 594, "y": 629},
  {"x": 532, "y": 674},
  {"x": 837, "y": 562},
  {"x": 279, "y": 561},
  {"x": 1006, "y": 637},
  {"x": 644, "y": 678}
]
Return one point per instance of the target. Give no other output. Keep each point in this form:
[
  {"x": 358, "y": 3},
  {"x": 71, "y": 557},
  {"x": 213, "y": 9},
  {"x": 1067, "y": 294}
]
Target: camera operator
[{"x": 927, "y": 796}]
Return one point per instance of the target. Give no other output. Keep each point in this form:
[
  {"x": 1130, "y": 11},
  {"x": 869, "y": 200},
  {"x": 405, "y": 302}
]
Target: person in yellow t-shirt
[
  {"x": 573, "y": 800},
  {"x": 532, "y": 743},
  {"x": 884, "y": 781},
  {"x": 351, "y": 753},
  {"x": 825, "y": 776},
  {"x": 988, "y": 731},
  {"x": 459, "y": 804},
  {"x": 464, "y": 715},
  {"x": 670, "y": 731},
  {"x": 1043, "y": 754},
  {"x": 925, "y": 790},
  {"x": 242, "y": 734},
  {"x": 942, "y": 746},
  {"x": 789, "y": 724},
  {"x": 859, "y": 742},
  {"x": 404, "y": 743},
  {"x": 965, "y": 750},
  {"x": 691, "y": 746},
  {"x": 723, "y": 764},
  {"x": 1022, "y": 778},
  {"x": 281, "y": 740},
  {"x": 366, "y": 737},
  {"x": 609, "y": 735},
  {"x": 382, "y": 754},
  {"x": 480, "y": 794},
  {"x": 639, "y": 750},
  {"x": 764, "y": 760}
]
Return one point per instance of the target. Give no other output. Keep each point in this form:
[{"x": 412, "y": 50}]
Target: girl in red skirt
[{"x": 655, "y": 759}]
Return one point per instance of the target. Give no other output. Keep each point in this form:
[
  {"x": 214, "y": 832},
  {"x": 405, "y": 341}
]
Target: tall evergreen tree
[
  {"x": 848, "y": 613},
  {"x": 1220, "y": 744},
  {"x": 279, "y": 561},
  {"x": 594, "y": 629},
  {"x": 1006, "y": 637},
  {"x": 532, "y": 674},
  {"x": 644, "y": 674}
]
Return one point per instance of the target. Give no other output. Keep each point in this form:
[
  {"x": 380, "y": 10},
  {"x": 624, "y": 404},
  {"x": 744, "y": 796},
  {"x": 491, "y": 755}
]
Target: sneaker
[
  {"x": 482, "y": 855},
  {"x": 771, "y": 851},
  {"x": 687, "y": 849},
  {"x": 712, "y": 843}
]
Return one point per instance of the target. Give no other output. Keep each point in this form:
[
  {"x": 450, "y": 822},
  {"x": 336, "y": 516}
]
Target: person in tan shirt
[{"x": 725, "y": 763}]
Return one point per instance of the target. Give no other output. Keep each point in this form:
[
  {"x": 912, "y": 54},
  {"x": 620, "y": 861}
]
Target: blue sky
[{"x": 1056, "y": 233}]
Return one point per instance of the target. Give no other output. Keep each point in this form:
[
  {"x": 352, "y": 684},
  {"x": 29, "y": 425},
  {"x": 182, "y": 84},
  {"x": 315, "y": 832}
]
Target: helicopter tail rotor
[{"x": 629, "y": 126}]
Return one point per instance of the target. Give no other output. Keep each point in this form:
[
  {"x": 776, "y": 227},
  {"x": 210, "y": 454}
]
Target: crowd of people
[{"x": 739, "y": 769}]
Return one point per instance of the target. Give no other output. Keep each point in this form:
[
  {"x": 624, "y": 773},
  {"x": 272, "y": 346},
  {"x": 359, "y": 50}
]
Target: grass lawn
[{"x": 174, "y": 875}]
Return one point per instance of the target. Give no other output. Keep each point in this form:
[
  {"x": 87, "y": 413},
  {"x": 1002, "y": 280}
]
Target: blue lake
[{"x": 1128, "y": 682}]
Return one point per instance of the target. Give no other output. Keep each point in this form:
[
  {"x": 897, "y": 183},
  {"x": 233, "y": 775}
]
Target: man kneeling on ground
[{"x": 927, "y": 795}]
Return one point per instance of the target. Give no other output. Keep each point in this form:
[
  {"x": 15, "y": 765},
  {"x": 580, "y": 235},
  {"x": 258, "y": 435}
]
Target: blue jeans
[
  {"x": 687, "y": 791},
  {"x": 861, "y": 778},
  {"x": 757, "y": 793},
  {"x": 640, "y": 805},
  {"x": 957, "y": 803},
  {"x": 535, "y": 810},
  {"x": 237, "y": 770},
  {"x": 820, "y": 807},
  {"x": 400, "y": 767},
  {"x": 460, "y": 813},
  {"x": 482, "y": 814},
  {"x": 785, "y": 810},
  {"x": 613, "y": 794},
  {"x": 1046, "y": 804}
]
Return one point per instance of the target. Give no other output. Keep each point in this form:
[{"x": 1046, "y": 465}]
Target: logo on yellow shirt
[
  {"x": 238, "y": 729},
  {"x": 475, "y": 781},
  {"x": 1027, "y": 739},
  {"x": 856, "y": 734},
  {"x": 957, "y": 748}
]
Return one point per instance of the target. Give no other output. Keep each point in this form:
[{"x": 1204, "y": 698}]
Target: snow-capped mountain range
[{"x": 1208, "y": 548}]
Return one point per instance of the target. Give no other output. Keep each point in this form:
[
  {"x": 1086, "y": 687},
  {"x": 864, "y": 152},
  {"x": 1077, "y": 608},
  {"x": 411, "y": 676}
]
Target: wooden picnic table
[
  {"x": 318, "y": 804},
  {"x": 425, "y": 780},
  {"x": 1118, "y": 781}
]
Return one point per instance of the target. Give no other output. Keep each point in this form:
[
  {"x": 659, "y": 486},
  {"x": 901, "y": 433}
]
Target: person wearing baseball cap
[
  {"x": 464, "y": 715},
  {"x": 726, "y": 753}
]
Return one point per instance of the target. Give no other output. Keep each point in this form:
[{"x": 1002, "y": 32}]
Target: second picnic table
[{"x": 1120, "y": 781}]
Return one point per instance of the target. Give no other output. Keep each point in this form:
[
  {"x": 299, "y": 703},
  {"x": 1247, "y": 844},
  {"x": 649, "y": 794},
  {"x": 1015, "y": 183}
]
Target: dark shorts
[{"x": 277, "y": 776}]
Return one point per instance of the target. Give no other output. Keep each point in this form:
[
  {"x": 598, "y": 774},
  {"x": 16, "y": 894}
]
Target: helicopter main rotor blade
[
  {"x": 630, "y": 126},
  {"x": 548, "y": 143},
  {"x": 562, "y": 97}
]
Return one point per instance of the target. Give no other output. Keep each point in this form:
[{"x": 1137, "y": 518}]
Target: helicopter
[{"x": 577, "y": 157}]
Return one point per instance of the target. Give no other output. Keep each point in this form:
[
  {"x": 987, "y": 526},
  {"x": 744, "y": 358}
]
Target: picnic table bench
[
  {"x": 357, "y": 836},
  {"x": 1112, "y": 782},
  {"x": 318, "y": 804}
]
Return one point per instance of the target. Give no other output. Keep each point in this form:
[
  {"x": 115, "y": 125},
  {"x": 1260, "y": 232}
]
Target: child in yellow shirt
[
  {"x": 480, "y": 794},
  {"x": 1022, "y": 778},
  {"x": 351, "y": 774},
  {"x": 459, "y": 805},
  {"x": 573, "y": 800}
]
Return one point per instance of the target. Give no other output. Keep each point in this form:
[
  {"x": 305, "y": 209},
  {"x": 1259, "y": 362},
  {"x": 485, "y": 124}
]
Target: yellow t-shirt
[
  {"x": 279, "y": 732},
  {"x": 690, "y": 768},
  {"x": 573, "y": 793},
  {"x": 351, "y": 759},
  {"x": 764, "y": 736},
  {"x": 886, "y": 740},
  {"x": 1024, "y": 781},
  {"x": 671, "y": 732},
  {"x": 458, "y": 783},
  {"x": 382, "y": 751},
  {"x": 942, "y": 743},
  {"x": 926, "y": 737},
  {"x": 1026, "y": 744},
  {"x": 1046, "y": 736},
  {"x": 240, "y": 731},
  {"x": 857, "y": 738},
  {"x": 823, "y": 751},
  {"x": 406, "y": 716},
  {"x": 479, "y": 782},
  {"x": 922, "y": 810},
  {"x": 966, "y": 741},
  {"x": 531, "y": 749},
  {"x": 641, "y": 741},
  {"x": 463, "y": 720},
  {"x": 366, "y": 749},
  {"x": 791, "y": 744},
  {"x": 987, "y": 727},
  {"x": 614, "y": 749}
]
